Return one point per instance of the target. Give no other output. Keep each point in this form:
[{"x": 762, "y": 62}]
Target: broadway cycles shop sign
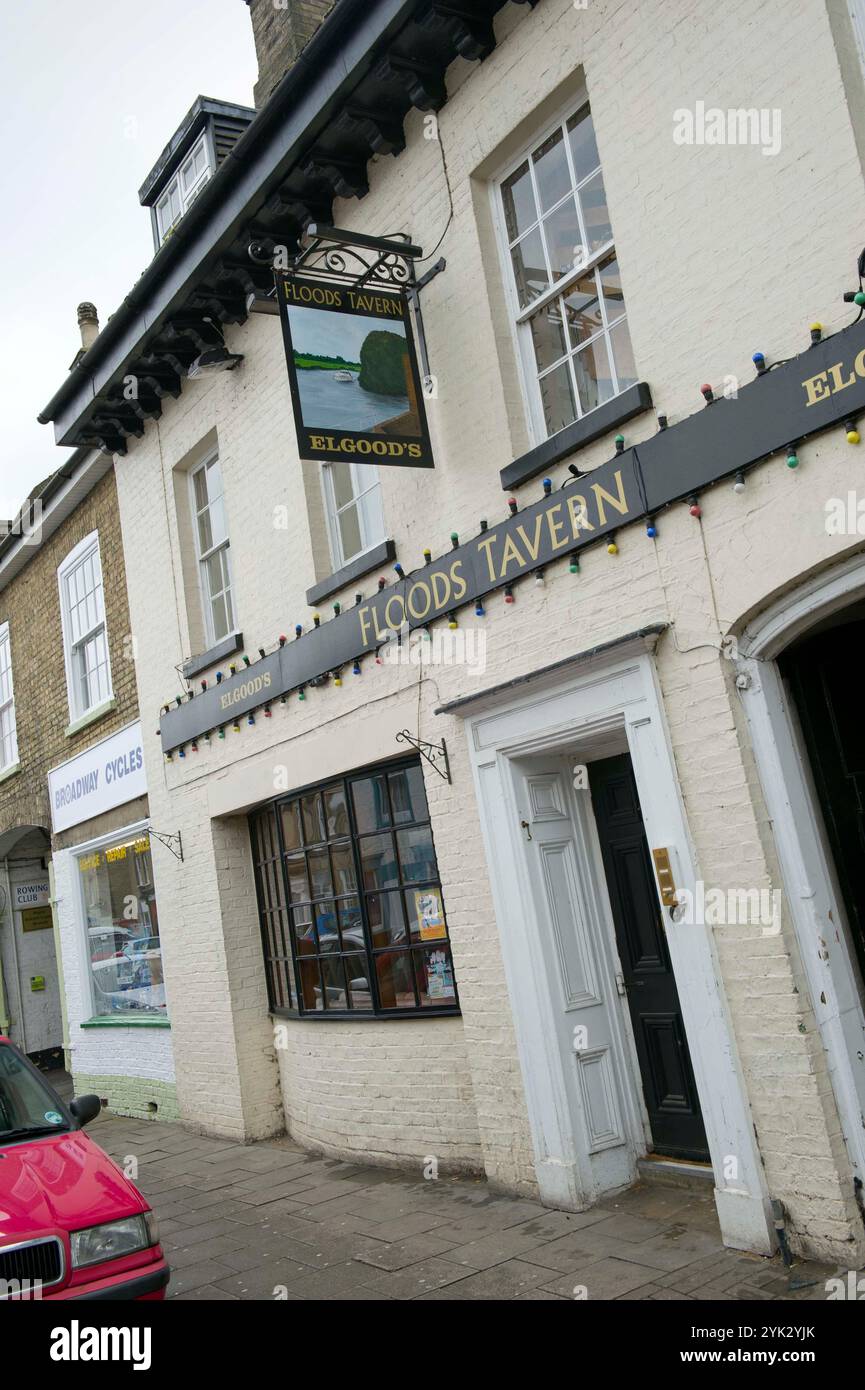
[
  {"x": 102, "y": 777},
  {"x": 823, "y": 386},
  {"x": 354, "y": 380}
]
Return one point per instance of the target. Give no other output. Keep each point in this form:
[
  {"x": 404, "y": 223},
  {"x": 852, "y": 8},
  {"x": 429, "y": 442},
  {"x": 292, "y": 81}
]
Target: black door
[
  {"x": 821, "y": 672},
  {"x": 662, "y": 1050}
]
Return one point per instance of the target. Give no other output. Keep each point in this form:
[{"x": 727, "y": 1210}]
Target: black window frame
[{"x": 277, "y": 920}]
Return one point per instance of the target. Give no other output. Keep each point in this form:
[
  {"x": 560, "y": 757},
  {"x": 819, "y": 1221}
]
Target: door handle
[{"x": 526, "y": 828}]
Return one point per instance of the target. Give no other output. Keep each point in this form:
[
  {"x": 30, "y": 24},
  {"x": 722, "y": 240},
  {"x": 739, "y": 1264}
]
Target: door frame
[
  {"x": 602, "y": 697},
  {"x": 627, "y": 1106},
  {"x": 807, "y": 867}
]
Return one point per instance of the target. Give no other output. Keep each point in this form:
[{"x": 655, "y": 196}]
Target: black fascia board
[{"x": 334, "y": 61}]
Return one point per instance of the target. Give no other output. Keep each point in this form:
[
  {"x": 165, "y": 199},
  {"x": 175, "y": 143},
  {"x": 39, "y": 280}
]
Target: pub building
[{"x": 516, "y": 776}]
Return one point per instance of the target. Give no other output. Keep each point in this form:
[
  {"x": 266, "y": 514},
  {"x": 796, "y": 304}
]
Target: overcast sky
[{"x": 93, "y": 90}]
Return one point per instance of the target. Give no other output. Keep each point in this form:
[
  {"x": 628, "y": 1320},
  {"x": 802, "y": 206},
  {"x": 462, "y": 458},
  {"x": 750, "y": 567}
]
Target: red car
[{"x": 72, "y": 1226}]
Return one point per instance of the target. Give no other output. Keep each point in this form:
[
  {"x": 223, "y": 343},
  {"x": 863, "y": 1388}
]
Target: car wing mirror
[{"x": 85, "y": 1108}]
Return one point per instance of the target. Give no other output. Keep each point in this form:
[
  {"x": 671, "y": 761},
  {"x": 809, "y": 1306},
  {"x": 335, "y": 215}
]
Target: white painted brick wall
[{"x": 722, "y": 251}]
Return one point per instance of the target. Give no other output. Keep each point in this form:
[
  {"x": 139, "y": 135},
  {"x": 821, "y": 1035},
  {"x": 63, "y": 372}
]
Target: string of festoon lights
[{"x": 334, "y": 677}]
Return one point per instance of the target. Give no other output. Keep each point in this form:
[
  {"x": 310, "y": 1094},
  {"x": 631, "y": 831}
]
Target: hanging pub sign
[{"x": 354, "y": 379}]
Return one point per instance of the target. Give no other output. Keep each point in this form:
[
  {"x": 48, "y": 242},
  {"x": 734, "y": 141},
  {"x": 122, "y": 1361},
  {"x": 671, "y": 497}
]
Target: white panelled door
[{"x": 581, "y": 965}]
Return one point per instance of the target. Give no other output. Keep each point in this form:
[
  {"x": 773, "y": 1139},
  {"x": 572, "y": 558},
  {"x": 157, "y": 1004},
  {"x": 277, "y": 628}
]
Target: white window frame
[
  {"x": 518, "y": 316},
  {"x": 856, "y": 10},
  {"x": 365, "y": 480},
  {"x": 7, "y": 706},
  {"x": 185, "y": 197},
  {"x": 77, "y": 710},
  {"x": 201, "y": 557}
]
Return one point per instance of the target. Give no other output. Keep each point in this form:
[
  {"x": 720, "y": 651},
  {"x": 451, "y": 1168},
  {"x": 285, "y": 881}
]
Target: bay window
[{"x": 350, "y": 902}]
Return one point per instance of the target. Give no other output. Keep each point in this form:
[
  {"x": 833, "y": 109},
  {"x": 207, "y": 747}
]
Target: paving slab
[{"x": 271, "y": 1221}]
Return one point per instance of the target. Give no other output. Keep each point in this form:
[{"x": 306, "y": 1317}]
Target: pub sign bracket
[{"x": 436, "y": 754}]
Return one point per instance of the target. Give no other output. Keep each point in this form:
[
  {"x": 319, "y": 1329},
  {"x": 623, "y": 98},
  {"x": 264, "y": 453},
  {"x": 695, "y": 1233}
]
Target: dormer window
[
  {"x": 205, "y": 137},
  {"x": 183, "y": 188}
]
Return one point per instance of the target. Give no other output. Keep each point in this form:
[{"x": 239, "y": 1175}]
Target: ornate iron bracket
[
  {"x": 355, "y": 259},
  {"x": 433, "y": 753},
  {"x": 174, "y": 843}
]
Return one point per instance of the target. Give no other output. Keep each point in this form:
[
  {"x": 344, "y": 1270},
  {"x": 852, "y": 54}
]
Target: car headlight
[{"x": 100, "y": 1243}]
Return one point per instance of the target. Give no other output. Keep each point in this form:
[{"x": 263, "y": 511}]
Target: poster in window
[
  {"x": 440, "y": 976},
  {"x": 430, "y": 913},
  {"x": 353, "y": 372}
]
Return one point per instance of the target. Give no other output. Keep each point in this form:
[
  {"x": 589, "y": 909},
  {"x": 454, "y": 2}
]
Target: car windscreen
[{"x": 27, "y": 1104}]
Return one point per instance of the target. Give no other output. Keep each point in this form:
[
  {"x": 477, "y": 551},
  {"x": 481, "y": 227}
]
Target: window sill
[
  {"x": 360, "y": 565},
  {"x": 196, "y": 664},
  {"x": 604, "y": 417},
  {"x": 133, "y": 1021},
  {"x": 91, "y": 717},
  {"x": 10, "y": 771},
  {"x": 449, "y": 1011}
]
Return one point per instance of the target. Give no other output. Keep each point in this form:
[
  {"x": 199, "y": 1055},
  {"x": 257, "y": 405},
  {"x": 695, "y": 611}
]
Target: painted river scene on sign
[{"x": 352, "y": 374}]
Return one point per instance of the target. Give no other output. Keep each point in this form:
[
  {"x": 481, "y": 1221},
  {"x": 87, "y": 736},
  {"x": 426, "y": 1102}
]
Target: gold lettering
[
  {"x": 837, "y": 383},
  {"x": 816, "y": 388},
  {"x": 379, "y": 635},
  {"x": 424, "y": 589},
  {"x": 460, "y": 585},
  {"x": 363, "y": 615},
  {"x": 532, "y": 547},
  {"x": 394, "y": 598},
  {"x": 601, "y": 496},
  {"x": 579, "y": 514},
  {"x": 510, "y": 552},
  {"x": 485, "y": 543},
  {"x": 440, "y": 597},
  {"x": 555, "y": 527}
]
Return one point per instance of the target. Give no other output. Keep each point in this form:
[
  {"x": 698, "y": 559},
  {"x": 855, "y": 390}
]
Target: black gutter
[{"x": 336, "y": 58}]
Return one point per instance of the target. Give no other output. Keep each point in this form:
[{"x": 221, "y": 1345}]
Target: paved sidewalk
[{"x": 269, "y": 1220}]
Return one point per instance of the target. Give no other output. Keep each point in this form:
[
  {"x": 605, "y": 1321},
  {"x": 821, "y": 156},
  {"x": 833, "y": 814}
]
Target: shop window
[
  {"x": 350, "y": 902},
  {"x": 122, "y": 927},
  {"x": 355, "y": 518},
  {"x": 563, "y": 277},
  {"x": 85, "y": 637},
  {"x": 212, "y": 549},
  {"x": 8, "y": 732}
]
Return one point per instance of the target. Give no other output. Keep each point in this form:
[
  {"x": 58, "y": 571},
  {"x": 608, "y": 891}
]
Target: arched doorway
[
  {"x": 31, "y": 1005},
  {"x": 818, "y": 669},
  {"x": 796, "y": 678}
]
